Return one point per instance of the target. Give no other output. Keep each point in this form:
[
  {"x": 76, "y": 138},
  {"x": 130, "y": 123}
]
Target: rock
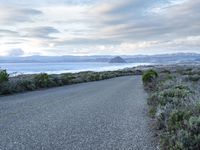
[{"x": 117, "y": 60}]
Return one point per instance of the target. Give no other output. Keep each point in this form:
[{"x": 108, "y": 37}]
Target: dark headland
[{"x": 117, "y": 59}]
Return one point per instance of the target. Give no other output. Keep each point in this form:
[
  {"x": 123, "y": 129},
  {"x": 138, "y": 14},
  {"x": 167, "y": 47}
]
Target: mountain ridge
[{"x": 161, "y": 58}]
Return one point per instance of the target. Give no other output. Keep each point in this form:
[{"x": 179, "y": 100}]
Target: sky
[{"x": 98, "y": 27}]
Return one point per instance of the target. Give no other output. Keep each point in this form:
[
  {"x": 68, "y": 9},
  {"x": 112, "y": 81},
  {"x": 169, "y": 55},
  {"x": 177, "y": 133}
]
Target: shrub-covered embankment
[
  {"x": 21, "y": 83},
  {"x": 174, "y": 103}
]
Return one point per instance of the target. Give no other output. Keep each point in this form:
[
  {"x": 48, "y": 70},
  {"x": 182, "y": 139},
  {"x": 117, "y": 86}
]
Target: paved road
[{"x": 104, "y": 115}]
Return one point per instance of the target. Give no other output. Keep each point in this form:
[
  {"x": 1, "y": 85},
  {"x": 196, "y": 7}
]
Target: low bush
[
  {"x": 26, "y": 85},
  {"x": 154, "y": 99},
  {"x": 23, "y": 83},
  {"x": 42, "y": 80},
  {"x": 149, "y": 76},
  {"x": 184, "y": 138},
  {"x": 56, "y": 81},
  {"x": 152, "y": 111},
  {"x": 166, "y": 71},
  {"x": 4, "y": 76},
  {"x": 177, "y": 119},
  {"x": 193, "y": 78},
  {"x": 179, "y": 91},
  {"x": 6, "y": 88},
  {"x": 94, "y": 77},
  {"x": 67, "y": 78},
  {"x": 149, "y": 79},
  {"x": 173, "y": 104}
]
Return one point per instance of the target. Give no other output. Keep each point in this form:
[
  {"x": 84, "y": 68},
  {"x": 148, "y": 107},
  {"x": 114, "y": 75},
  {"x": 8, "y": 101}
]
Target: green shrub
[
  {"x": 182, "y": 87},
  {"x": 185, "y": 138},
  {"x": 4, "y": 76},
  {"x": 42, "y": 80},
  {"x": 177, "y": 118},
  {"x": 194, "y": 125},
  {"x": 175, "y": 92},
  {"x": 154, "y": 99},
  {"x": 188, "y": 71},
  {"x": 94, "y": 77},
  {"x": 6, "y": 88},
  {"x": 149, "y": 76},
  {"x": 193, "y": 78},
  {"x": 25, "y": 85},
  {"x": 189, "y": 138},
  {"x": 166, "y": 71},
  {"x": 56, "y": 81},
  {"x": 170, "y": 142},
  {"x": 174, "y": 95},
  {"x": 174, "y": 105},
  {"x": 83, "y": 77},
  {"x": 152, "y": 111},
  {"x": 67, "y": 78},
  {"x": 198, "y": 107}
]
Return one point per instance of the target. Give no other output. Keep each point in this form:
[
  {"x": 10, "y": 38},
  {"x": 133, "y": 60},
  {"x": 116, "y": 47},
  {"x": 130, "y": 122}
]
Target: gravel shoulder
[{"x": 103, "y": 115}]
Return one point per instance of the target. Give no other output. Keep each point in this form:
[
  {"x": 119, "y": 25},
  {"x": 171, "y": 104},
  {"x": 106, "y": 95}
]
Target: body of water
[{"x": 56, "y": 68}]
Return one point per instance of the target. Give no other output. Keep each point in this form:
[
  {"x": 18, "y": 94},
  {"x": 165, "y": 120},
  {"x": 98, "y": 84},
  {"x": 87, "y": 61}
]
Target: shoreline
[
  {"x": 58, "y": 68},
  {"x": 31, "y": 82}
]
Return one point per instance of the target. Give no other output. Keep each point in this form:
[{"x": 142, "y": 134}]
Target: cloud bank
[{"x": 85, "y": 27}]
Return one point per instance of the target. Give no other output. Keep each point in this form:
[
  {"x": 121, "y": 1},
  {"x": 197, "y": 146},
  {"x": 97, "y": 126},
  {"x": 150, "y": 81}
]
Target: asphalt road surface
[{"x": 103, "y": 115}]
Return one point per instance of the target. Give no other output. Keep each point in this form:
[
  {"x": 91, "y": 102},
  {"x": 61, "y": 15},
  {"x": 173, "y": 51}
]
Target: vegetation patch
[
  {"x": 174, "y": 103},
  {"x": 4, "y": 76},
  {"x": 194, "y": 77},
  {"x": 42, "y": 80},
  {"x": 149, "y": 76},
  {"x": 22, "y": 83}
]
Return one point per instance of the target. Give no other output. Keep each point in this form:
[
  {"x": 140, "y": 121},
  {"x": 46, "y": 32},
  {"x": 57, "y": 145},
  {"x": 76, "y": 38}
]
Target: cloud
[
  {"x": 100, "y": 26},
  {"x": 46, "y": 2},
  {"x": 84, "y": 41},
  {"x": 7, "y": 33},
  {"x": 13, "y": 52},
  {"x": 133, "y": 20},
  {"x": 40, "y": 32},
  {"x": 13, "y": 14}
]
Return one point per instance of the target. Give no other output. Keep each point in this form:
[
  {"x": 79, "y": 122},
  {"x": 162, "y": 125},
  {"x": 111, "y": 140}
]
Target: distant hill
[
  {"x": 117, "y": 59},
  {"x": 164, "y": 58}
]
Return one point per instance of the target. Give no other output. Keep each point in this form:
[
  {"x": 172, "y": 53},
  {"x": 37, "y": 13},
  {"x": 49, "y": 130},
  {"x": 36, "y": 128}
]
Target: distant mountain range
[{"x": 164, "y": 58}]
